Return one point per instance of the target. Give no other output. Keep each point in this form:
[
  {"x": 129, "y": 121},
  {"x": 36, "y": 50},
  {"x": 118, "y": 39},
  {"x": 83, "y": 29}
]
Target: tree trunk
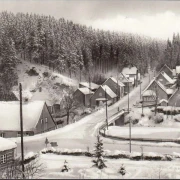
[{"x": 68, "y": 117}]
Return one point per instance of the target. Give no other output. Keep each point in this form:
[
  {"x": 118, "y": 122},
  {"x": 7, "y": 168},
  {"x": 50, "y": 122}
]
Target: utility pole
[
  {"x": 106, "y": 109},
  {"x": 130, "y": 135},
  {"x": 140, "y": 86},
  {"x": 21, "y": 124},
  {"x": 128, "y": 95}
]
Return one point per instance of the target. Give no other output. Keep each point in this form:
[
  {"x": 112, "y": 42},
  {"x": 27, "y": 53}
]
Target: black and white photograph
[{"x": 89, "y": 89}]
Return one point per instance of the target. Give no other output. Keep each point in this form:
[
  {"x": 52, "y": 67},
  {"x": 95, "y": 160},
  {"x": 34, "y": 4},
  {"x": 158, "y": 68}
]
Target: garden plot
[
  {"x": 81, "y": 168},
  {"x": 145, "y": 132}
]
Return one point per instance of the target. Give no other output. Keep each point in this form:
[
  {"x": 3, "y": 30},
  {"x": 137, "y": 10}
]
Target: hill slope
[{"x": 42, "y": 83}]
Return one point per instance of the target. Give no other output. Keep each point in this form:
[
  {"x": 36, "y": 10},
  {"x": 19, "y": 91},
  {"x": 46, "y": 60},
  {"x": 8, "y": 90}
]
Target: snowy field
[
  {"x": 145, "y": 132},
  {"x": 81, "y": 168}
]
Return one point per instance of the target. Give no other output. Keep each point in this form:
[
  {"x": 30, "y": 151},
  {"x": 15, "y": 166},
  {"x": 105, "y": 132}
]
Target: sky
[{"x": 157, "y": 19}]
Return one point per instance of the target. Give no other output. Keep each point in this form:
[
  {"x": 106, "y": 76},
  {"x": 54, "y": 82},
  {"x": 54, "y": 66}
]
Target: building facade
[
  {"x": 7, "y": 152},
  {"x": 83, "y": 95},
  {"x": 116, "y": 86},
  {"x": 36, "y": 118},
  {"x": 99, "y": 96}
]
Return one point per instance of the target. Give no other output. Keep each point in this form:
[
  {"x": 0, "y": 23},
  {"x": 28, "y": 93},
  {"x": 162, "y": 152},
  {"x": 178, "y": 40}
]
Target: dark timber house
[
  {"x": 36, "y": 118},
  {"x": 82, "y": 95},
  {"x": 7, "y": 152}
]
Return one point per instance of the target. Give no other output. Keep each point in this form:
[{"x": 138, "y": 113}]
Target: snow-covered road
[{"x": 82, "y": 134}]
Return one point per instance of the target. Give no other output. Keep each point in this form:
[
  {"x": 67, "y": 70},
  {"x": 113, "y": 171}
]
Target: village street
[{"x": 82, "y": 134}]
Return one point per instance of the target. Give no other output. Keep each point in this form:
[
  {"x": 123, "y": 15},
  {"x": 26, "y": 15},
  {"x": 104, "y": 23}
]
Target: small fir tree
[
  {"x": 122, "y": 170},
  {"x": 99, "y": 161},
  {"x": 65, "y": 167}
]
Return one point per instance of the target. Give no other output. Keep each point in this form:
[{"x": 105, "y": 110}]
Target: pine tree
[
  {"x": 99, "y": 161},
  {"x": 122, "y": 170}
]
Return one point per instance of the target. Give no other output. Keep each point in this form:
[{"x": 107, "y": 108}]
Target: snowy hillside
[{"x": 51, "y": 83}]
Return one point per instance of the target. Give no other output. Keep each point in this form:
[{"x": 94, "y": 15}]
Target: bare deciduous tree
[
  {"x": 33, "y": 170},
  {"x": 69, "y": 102}
]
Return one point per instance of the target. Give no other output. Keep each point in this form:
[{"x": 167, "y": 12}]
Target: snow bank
[
  {"x": 6, "y": 144},
  {"x": 177, "y": 155},
  {"x": 29, "y": 155}
]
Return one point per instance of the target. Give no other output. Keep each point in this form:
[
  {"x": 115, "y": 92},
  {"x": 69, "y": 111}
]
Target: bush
[
  {"x": 46, "y": 74},
  {"x": 158, "y": 118},
  {"x": 32, "y": 72}
]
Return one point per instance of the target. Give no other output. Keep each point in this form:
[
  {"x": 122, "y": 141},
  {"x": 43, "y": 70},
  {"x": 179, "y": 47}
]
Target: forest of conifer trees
[{"x": 76, "y": 49}]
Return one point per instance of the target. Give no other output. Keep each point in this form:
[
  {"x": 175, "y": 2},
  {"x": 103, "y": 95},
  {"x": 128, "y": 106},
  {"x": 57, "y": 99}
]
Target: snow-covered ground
[
  {"x": 82, "y": 133},
  {"x": 148, "y": 120},
  {"x": 30, "y": 83},
  {"x": 145, "y": 132},
  {"x": 81, "y": 168}
]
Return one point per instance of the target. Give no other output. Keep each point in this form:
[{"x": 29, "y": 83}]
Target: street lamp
[
  {"x": 129, "y": 134},
  {"x": 128, "y": 94},
  {"x": 106, "y": 109}
]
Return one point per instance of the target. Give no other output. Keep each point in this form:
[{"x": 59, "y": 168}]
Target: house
[
  {"x": 177, "y": 70},
  {"x": 99, "y": 96},
  {"x": 83, "y": 95},
  {"x": 165, "y": 79},
  {"x": 156, "y": 89},
  {"x": 36, "y": 118},
  {"x": 127, "y": 84},
  {"x": 116, "y": 86},
  {"x": 7, "y": 152},
  {"x": 92, "y": 86},
  {"x": 174, "y": 100},
  {"x": 167, "y": 70},
  {"x": 132, "y": 73}
]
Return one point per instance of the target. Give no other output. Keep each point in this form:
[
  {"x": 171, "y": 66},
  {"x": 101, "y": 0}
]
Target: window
[
  {"x": 100, "y": 94},
  {"x": 46, "y": 120},
  {"x": 41, "y": 121},
  {"x": 2, "y": 134},
  {"x": 19, "y": 134},
  {"x": 4, "y": 158}
]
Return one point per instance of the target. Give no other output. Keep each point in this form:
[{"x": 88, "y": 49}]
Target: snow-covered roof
[
  {"x": 169, "y": 91},
  {"x": 158, "y": 83},
  {"x": 109, "y": 91},
  {"x": 42, "y": 96},
  {"x": 165, "y": 65},
  {"x": 25, "y": 94},
  {"x": 175, "y": 92},
  {"x": 178, "y": 69},
  {"x": 122, "y": 78},
  {"x": 167, "y": 77},
  {"x": 163, "y": 100},
  {"x": 119, "y": 82},
  {"x": 174, "y": 72},
  {"x": 10, "y": 115},
  {"x": 149, "y": 93},
  {"x": 85, "y": 90},
  {"x": 129, "y": 70},
  {"x": 101, "y": 99},
  {"x": 91, "y": 86},
  {"x": 131, "y": 79},
  {"x": 6, "y": 144}
]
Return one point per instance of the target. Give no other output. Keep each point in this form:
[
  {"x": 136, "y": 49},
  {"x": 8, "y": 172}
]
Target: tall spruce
[{"x": 99, "y": 162}]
